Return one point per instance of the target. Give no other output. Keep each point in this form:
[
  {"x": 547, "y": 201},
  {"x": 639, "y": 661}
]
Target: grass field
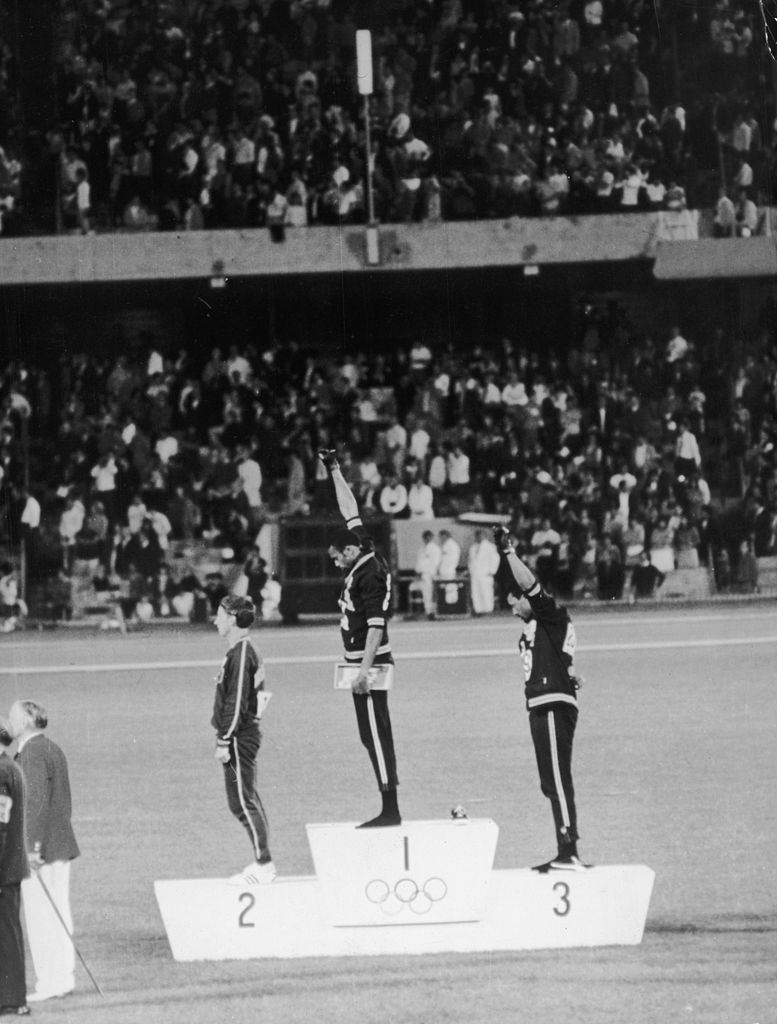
[{"x": 675, "y": 767}]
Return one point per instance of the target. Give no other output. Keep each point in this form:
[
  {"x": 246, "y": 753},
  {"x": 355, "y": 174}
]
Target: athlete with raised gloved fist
[
  {"x": 365, "y": 603},
  {"x": 547, "y": 650}
]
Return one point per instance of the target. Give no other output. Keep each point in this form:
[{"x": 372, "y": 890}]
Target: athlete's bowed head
[
  {"x": 345, "y": 549},
  {"x": 520, "y": 606}
]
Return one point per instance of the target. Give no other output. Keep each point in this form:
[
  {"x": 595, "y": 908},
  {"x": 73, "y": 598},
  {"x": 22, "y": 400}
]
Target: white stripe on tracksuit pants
[
  {"x": 372, "y": 716},
  {"x": 243, "y": 793},
  {"x": 553, "y": 729}
]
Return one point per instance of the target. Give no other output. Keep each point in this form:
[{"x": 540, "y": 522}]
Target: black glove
[
  {"x": 502, "y": 539},
  {"x": 329, "y": 457}
]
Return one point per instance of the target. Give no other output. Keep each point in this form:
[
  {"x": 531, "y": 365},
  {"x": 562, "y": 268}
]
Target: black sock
[
  {"x": 389, "y": 814},
  {"x": 567, "y": 847},
  {"x": 390, "y": 805}
]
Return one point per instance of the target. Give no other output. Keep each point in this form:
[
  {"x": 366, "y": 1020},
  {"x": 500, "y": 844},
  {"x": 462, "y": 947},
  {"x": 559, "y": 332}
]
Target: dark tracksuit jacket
[
  {"x": 365, "y": 601},
  {"x": 237, "y": 727}
]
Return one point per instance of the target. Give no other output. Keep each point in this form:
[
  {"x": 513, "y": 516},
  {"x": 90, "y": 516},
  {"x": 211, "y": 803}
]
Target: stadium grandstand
[
  {"x": 561, "y": 313},
  {"x": 174, "y": 114}
]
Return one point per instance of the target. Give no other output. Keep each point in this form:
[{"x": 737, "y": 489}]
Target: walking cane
[{"x": 67, "y": 932}]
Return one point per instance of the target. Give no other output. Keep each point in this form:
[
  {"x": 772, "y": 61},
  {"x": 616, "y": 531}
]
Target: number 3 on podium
[{"x": 563, "y": 906}]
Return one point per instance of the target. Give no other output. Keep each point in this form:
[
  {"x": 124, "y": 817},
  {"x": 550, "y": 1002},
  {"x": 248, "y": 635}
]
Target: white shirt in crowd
[
  {"x": 369, "y": 473},
  {"x": 71, "y": 521},
  {"x": 396, "y": 436},
  {"x": 628, "y": 478},
  {"x": 515, "y": 393},
  {"x": 744, "y": 176},
  {"x": 419, "y": 444},
  {"x": 420, "y": 498},
  {"x": 438, "y": 473},
  {"x": 676, "y": 347},
  {"x": 239, "y": 365},
  {"x": 31, "y": 513},
  {"x": 442, "y": 384},
  {"x": 544, "y": 540},
  {"x": 393, "y": 499},
  {"x": 161, "y": 526},
  {"x": 9, "y": 590},
  {"x": 450, "y": 558},
  {"x": 166, "y": 448},
  {"x": 251, "y": 480},
  {"x": 366, "y": 407},
  {"x": 458, "y": 468},
  {"x": 631, "y": 185},
  {"x": 624, "y": 510},
  {"x": 136, "y": 513},
  {"x": 704, "y": 490},
  {"x": 83, "y": 196},
  {"x": 491, "y": 394},
  {"x": 104, "y": 475},
  {"x": 155, "y": 363},
  {"x": 687, "y": 447},
  {"x": 420, "y": 356}
]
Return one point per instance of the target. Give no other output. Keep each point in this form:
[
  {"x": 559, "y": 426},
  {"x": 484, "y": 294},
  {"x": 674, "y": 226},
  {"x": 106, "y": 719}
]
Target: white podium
[
  {"x": 420, "y": 872},
  {"x": 421, "y": 887}
]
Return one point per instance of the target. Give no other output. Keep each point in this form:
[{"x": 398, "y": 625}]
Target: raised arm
[
  {"x": 346, "y": 501},
  {"x": 522, "y": 574}
]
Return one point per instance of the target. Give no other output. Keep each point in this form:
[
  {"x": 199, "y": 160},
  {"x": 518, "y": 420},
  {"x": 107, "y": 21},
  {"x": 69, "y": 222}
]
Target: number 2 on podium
[{"x": 249, "y": 899}]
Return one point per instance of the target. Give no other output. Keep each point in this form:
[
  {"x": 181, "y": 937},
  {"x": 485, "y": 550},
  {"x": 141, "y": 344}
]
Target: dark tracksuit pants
[
  {"x": 372, "y": 715},
  {"x": 13, "y": 990},
  {"x": 240, "y": 779},
  {"x": 552, "y": 731}
]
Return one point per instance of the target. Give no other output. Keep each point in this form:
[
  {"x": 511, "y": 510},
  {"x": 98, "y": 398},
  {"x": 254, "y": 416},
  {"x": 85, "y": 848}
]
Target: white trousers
[
  {"x": 481, "y": 588},
  {"x": 53, "y": 956},
  {"x": 427, "y": 592}
]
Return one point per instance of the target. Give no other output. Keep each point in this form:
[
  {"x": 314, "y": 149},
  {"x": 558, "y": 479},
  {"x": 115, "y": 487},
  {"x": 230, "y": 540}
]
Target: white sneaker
[{"x": 254, "y": 874}]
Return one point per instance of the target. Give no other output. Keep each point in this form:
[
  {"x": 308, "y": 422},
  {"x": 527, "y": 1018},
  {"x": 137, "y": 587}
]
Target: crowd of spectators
[
  {"x": 184, "y": 114},
  {"x": 616, "y": 445}
]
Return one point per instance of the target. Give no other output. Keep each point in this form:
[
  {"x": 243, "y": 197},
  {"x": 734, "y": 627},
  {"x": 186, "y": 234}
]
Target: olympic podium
[
  {"x": 420, "y": 887},
  {"x": 420, "y": 872}
]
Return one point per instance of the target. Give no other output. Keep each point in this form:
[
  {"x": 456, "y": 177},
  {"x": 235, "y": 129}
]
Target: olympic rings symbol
[{"x": 405, "y": 893}]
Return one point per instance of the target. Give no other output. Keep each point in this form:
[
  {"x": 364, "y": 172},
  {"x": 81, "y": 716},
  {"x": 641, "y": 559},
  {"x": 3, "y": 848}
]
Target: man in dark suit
[
  {"x": 13, "y": 869},
  {"x": 51, "y": 846}
]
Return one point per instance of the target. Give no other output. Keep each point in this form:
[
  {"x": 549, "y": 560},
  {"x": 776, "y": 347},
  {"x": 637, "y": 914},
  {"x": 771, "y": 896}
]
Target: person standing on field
[
  {"x": 483, "y": 565},
  {"x": 365, "y": 603},
  {"x": 426, "y": 567},
  {"x": 237, "y": 708},
  {"x": 547, "y": 650},
  {"x": 14, "y": 868},
  {"x": 51, "y": 847},
  {"x": 450, "y": 556}
]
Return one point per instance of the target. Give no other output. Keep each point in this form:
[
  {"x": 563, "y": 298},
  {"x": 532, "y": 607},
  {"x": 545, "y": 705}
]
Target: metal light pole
[{"x": 364, "y": 79}]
